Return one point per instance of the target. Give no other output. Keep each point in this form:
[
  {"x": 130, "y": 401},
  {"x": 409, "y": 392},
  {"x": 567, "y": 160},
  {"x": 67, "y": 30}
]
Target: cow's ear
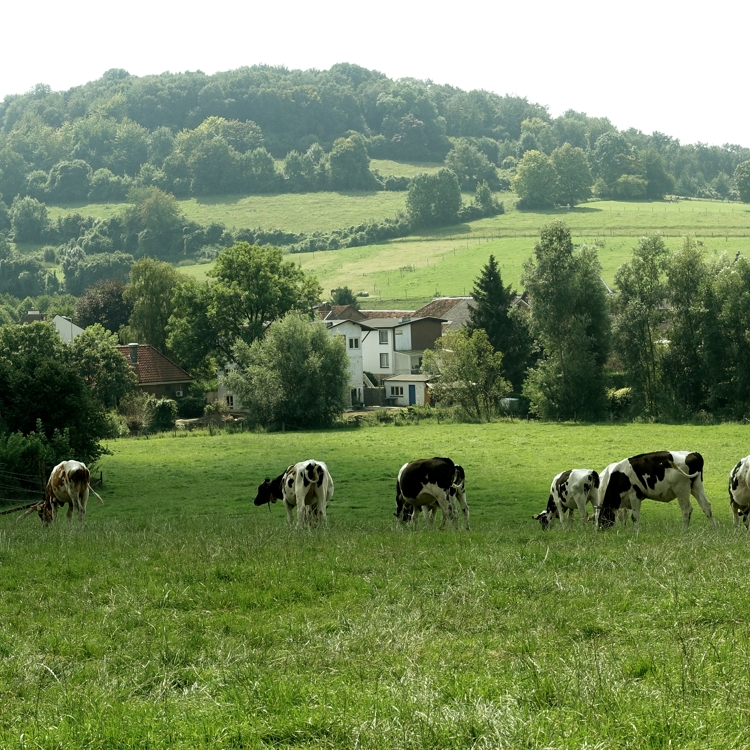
[{"x": 267, "y": 480}]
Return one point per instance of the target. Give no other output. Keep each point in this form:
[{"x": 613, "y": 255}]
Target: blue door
[{"x": 412, "y": 394}]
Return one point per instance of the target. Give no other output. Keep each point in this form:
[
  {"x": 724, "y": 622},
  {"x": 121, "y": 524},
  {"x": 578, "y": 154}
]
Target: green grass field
[
  {"x": 181, "y": 616},
  {"x": 406, "y": 273}
]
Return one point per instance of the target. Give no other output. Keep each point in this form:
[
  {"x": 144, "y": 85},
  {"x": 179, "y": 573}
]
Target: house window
[
  {"x": 384, "y": 361},
  {"x": 397, "y": 390},
  {"x": 230, "y": 401},
  {"x": 383, "y": 337},
  {"x": 354, "y": 343}
]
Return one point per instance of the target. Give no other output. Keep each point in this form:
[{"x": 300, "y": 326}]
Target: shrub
[
  {"x": 191, "y": 407},
  {"x": 163, "y": 415}
]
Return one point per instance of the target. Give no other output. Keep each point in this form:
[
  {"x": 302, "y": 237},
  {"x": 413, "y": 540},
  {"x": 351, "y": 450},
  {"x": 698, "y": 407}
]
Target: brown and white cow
[
  {"x": 306, "y": 485},
  {"x": 661, "y": 476},
  {"x": 69, "y": 484},
  {"x": 739, "y": 492},
  {"x": 570, "y": 490},
  {"x": 428, "y": 483}
]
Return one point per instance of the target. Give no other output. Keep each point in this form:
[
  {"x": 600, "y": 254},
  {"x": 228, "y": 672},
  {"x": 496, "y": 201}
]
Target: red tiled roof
[{"x": 153, "y": 367}]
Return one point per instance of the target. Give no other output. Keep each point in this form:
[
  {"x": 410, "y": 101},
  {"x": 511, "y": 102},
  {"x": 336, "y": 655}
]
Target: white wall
[{"x": 372, "y": 350}]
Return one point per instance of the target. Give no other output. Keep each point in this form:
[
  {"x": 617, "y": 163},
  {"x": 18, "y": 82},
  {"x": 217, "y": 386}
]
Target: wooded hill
[{"x": 191, "y": 133}]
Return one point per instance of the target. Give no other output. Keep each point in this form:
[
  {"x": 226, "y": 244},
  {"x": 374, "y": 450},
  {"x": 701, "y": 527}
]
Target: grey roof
[
  {"x": 360, "y": 323},
  {"x": 408, "y": 378},
  {"x": 397, "y": 322}
]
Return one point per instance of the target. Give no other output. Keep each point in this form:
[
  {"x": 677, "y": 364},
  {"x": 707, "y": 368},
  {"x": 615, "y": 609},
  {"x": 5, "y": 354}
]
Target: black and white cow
[
  {"x": 570, "y": 490},
  {"x": 662, "y": 476},
  {"x": 306, "y": 485},
  {"x": 313, "y": 490},
  {"x": 739, "y": 492},
  {"x": 428, "y": 483}
]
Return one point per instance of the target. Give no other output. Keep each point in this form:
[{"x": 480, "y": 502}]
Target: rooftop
[{"x": 152, "y": 367}]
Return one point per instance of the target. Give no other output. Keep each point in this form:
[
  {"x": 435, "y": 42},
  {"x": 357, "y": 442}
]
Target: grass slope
[
  {"x": 180, "y": 616},
  {"x": 407, "y": 272}
]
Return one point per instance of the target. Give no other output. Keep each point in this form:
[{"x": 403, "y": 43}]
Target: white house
[
  {"x": 354, "y": 333},
  {"x": 396, "y": 345},
  {"x": 406, "y": 390}
]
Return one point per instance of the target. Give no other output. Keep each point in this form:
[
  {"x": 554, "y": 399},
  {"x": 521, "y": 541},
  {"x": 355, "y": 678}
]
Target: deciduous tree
[
  {"x": 295, "y": 375},
  {"x": 252, "y": 286},
  {"x": 570, "y": 322},
  {"x": 467, "y": 372},
  {"x": 433, "y": 199},
  {"x": 152, "y": 284}
]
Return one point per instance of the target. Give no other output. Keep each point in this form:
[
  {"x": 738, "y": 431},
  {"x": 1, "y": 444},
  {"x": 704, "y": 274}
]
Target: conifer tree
[{"x": 506, "y": 332}]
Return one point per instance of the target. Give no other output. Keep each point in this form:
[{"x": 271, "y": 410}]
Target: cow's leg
[
  {"x": 560, "y": 512},
  {"x": 736, "y": 513},
  {"x": 582, "y": 512},
  {"x": 416, "y": 510},
  {"x": 699, "y": 494},
  {"x": 289, "y": 512},
  {"x": 464, "y": 508},
  {"x": 323, "y": 519},
  {"x": 635, "y": 511},
  {"x": 448, "y": 511},
  {"x": 301, "y": 512},
  {"x": 687, "y": 509}
]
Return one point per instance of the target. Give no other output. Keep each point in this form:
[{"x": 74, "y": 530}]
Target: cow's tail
[
  {"x": 91, "y": 489},
  {"x": 673, "y": 465}
]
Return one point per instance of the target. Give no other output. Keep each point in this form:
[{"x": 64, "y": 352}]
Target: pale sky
[{"x": 676, "y": 67}]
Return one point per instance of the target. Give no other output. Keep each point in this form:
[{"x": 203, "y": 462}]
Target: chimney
[{"x": 133, "y": 353}]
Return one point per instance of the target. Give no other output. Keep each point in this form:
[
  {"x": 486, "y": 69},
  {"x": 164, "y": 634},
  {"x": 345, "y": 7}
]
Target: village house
[{"x": 156, "y": 373}]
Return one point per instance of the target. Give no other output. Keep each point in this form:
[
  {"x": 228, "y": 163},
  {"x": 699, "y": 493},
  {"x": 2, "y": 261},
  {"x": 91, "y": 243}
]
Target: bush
[
  {"x": 163, "y": 415},
  {"x": 191, "y": 407}
]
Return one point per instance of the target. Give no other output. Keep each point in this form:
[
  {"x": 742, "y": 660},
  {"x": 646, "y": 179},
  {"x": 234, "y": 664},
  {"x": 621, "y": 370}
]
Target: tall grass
[{"x": 181, "y": 616}]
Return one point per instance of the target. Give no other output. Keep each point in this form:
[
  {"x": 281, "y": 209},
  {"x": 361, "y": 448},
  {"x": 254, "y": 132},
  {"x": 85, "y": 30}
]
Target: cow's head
[
  {"x": 47, "y": 510},
  {"x": 545, "y": 519},
  {"x": 265, "y": 493}
]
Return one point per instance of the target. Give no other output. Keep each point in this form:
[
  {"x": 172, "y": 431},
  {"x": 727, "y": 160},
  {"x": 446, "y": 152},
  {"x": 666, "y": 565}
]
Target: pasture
[
  {"x": 181, "y": 616},
  {"x": 407, "y": 272}
]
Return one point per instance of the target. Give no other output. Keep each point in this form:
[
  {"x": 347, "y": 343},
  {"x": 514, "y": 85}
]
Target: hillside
[{"x": 445, "y": 263}]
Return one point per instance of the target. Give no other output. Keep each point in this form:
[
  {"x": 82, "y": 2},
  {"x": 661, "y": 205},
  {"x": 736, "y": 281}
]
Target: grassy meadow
[
  {"x": 407, "y": 272},
  {"x": 181, "y": 616}
]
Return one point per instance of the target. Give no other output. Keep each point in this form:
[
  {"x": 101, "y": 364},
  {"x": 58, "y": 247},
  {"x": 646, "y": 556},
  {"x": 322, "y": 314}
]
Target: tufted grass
[{"x": 181, "y": 616}]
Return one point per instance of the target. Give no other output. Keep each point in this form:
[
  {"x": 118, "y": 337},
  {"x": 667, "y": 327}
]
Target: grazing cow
[
  {"x": 739, "y": 492},
  {"x": 307, "y": 485},
  {"x": 428, "y": 483},
  {"x": 661, "y": 476},
  {"x": 69, "y": 484},
  {"x": 570, "y": 490}
]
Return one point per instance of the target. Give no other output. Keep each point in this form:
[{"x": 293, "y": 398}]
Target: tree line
[
  {"x": 668, "y": 342},
  {"x": 269, "y": 129}
]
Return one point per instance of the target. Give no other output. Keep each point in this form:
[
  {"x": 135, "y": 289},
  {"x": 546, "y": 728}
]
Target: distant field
[
  {"x": 292, "y": 212},
  {"x": 403, "y": 273},
  {"x": 400, "y": 169}
]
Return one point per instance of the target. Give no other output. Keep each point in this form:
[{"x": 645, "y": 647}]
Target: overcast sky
[{"x": 679, "y": 68}]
